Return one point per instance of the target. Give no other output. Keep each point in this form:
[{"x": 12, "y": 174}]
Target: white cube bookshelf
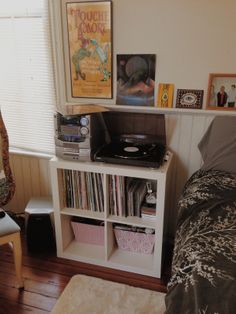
[{"x": 109, "y": 255}]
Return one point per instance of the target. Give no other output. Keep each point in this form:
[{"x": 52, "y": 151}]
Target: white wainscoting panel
[
  {"x": 184, "y": 132},
  {"x": 32, "y": 178}
]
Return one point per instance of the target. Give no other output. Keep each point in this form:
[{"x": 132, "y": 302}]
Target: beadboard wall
[
  {"x": 32, "y": 178},
  {"x": 183, "y": 131},
  {"x": 183, "y": 135}
]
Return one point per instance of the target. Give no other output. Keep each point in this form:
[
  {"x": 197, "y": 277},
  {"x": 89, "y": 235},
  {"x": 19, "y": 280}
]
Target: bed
[{"x": 203, "y": 279}]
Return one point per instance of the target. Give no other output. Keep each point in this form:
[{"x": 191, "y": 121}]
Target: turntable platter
[{"x": 133, "y": 151}]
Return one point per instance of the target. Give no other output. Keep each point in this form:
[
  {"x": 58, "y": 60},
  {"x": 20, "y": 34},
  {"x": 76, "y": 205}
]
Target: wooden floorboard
[
  {"x": 8, "y": 307},
  {"x": 45, "y": 277}
]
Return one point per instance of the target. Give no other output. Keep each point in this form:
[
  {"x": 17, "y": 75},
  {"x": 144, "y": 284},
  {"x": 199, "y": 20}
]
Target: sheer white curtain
[{"x": 27, "y": 92}]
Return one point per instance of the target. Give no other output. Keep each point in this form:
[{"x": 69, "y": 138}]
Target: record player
[
  {"x": 144, "y": 146},
  {"x": 132, "y": 149}
]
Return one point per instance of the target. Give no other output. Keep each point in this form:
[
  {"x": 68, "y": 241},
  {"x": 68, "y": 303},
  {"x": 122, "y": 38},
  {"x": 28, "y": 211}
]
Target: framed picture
[
  {"x": 165, "y": 95},
  {"x": 88, "y": 53},
  {"x": 221, "y": 94},
  {"x": 189, "y": 98},
  {"x": 136, "y": 79}
]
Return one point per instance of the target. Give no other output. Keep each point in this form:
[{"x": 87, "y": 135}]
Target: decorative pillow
[
  {"x": 218, "y": 145},
  {"x": 7, "y": 185}
]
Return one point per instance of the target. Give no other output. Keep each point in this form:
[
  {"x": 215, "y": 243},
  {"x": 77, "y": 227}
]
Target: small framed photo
[
  {"x": 165, "y": 95},
  {"x": 189, "y": 98},
  {"x": 221, "y": 94}
]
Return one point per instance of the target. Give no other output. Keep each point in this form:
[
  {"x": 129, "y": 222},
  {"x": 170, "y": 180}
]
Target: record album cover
[{"x": 136, "y": 79}]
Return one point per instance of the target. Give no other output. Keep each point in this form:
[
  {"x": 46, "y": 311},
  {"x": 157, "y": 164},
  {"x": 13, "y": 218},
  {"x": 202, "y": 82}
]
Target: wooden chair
[
  {"x": 10, "y": 233},
  {"x": 9, "y": 230}
]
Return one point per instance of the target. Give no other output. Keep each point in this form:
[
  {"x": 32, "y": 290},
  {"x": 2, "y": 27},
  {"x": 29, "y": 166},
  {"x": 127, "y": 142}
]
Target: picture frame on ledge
[
  {"x": 189, "y": 98},
  {"x": 87, "y": 31},
  {"x": 165, "y": 95},
  {"x": 136, "y": 79},
  {"x": 221, "y": 92}
]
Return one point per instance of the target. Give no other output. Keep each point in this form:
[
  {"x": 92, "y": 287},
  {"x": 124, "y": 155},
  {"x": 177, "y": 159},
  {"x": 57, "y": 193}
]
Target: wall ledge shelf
[{"x": 157, "y": 110}]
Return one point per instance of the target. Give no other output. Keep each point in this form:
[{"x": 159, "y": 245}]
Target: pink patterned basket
[
  {"x": 135, "y": 241},
  {"x": 86, "y": 233}
]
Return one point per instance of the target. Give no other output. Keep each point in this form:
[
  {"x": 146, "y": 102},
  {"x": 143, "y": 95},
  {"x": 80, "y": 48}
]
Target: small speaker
[{"x": 40, "y": 233}]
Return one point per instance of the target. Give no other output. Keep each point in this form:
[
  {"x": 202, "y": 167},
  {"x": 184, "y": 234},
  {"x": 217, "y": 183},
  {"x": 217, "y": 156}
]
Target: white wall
[{"x": 190, "y": 38}]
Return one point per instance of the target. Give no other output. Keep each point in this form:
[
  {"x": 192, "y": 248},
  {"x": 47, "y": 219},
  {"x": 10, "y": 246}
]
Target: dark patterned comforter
[{"x": 204, "y": 261}]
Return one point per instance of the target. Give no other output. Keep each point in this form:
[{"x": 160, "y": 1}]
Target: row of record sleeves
[
  {"x": 127, "y": 196},
  {"x": 84, "y": 190}
]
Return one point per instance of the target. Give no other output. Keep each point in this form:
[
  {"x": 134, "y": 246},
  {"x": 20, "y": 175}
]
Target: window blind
[{"x": 27, "y": 92}]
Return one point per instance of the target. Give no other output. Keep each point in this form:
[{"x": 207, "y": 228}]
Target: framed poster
[
  {"x": 221, "y": 93},
  {"x": 136, "y": 79},
  {"x": 89, "y": 53},
  {"x": 165, "y": 95},
  {"x": 189, "y": 98}
]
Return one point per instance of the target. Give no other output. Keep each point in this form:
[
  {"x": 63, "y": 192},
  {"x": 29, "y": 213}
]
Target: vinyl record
[{"x": 133, "y": 150}]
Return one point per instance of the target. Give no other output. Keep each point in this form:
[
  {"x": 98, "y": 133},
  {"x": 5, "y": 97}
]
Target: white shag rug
[{"x": 90, "y": 295}]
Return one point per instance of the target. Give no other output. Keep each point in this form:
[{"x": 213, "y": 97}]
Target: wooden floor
[{"x": 46, "y": 276}]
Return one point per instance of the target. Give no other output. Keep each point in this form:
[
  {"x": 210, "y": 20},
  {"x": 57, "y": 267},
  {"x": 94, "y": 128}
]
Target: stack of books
[{"x": 148, "y": 210}]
